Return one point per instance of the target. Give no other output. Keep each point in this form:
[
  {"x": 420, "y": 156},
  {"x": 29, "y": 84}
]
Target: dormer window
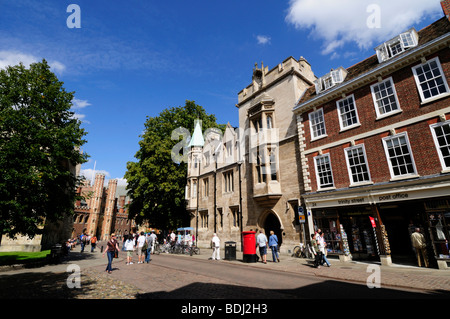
[
  {"x": 330, "y": 79},
  {"x": 397, "y": 45}
]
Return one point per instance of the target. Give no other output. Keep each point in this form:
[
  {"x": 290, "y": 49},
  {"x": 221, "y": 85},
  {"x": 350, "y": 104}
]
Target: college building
[
  {"x": 102, "y": 210},
  {"x": 363, "y": 152}
]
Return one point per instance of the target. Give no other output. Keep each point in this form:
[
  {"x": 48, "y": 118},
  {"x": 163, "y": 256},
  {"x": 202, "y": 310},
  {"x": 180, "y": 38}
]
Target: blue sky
[{"x": 132, "y": 59}]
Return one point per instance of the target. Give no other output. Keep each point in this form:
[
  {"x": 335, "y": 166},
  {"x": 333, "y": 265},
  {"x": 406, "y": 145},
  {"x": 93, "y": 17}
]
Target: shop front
[{"x": 376, "y": 223}]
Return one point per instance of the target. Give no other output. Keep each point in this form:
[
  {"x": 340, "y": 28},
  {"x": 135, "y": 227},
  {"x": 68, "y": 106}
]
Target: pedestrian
[
  {"x": 93, "y": 243},
  {"x": 315, "y": 250},
  {"x": 139, "y": 245},
  {"x": 420, "y": 246},
  {"x": 83, "y": 239},
  {"x": 273, "y": 244},
  {"x": 129, "y": 248},
  {"x": 261, "y": 241},
  {"x": 112, "y": 248},
  {"x": 148, "y": 250},
  {"x": 215, "y": 243},
  {"x": 321, "y": 243},
  {"x": 154, "y": 239}
]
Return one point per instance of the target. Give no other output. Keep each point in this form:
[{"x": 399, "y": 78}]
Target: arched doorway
[{"x": 273, "y": 223}]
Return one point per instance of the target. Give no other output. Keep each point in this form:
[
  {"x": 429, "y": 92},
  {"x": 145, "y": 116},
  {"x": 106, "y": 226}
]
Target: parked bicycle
[
  {"x": 302, "y": 251},
  {"x": 194, "y": 250}
]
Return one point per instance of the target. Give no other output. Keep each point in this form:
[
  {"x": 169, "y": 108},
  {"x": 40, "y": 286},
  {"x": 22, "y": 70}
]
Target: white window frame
[
  {"x": 389, "y": 160},
  {"x": 351, "y": 100},
  {"x": 375, "y": 101},
  {"x": 349, "y": 167},
  {"x": 445, "y": 168},
  {"x": 330, "y": 171},
  {"x": 401, "y": 42},
  {"x": 442, "y": 76},
  {"x": 312, "y": 126}
]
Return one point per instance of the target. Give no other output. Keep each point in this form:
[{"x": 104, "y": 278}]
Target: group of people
[
  {"x": 84, "y": 239},
  {"x": 261, "y": 242},
  {"x": 318, "y": 245},
  {"x": 142, "y": 244}
]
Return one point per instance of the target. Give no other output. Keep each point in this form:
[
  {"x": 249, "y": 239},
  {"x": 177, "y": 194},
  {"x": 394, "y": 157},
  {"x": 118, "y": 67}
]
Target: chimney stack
[{"x": 445, "y": 4}]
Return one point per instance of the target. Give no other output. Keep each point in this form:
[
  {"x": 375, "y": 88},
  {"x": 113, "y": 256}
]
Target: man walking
[
  {"x": 215, "y": 241},
  {"x": 261, "y": 241},
  {"x": 419, "y": 244}
]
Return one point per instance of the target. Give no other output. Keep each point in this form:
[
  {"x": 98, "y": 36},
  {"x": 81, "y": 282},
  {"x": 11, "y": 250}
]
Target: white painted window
[
  {"x": 430, "y": 79},
  {"x": 317, "y": 124},
  {"x": 385, "y": 98},
  {"x": 397, "y": 45},
  {"x": 324, "y": 173},
  {"x": 441, "y": 135},
  {"x": 357, "y": 166},
  {"x": 348, "y": 115},
  {"x": 399, "y": 155}
]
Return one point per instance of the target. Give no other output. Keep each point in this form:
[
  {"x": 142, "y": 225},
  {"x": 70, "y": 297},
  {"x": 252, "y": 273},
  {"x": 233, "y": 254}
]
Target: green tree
[
  {"x": 39, "y": 141},
  {"x": 156, "y": 183}
]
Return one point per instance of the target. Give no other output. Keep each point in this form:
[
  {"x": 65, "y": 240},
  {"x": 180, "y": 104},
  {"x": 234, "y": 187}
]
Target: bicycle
[
  {"x": 302, "y": 251},
  {"x": 194, "y": 250}
]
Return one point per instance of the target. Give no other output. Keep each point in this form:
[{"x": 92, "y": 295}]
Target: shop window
[
  {"x": 348, "y": 115},
  {"x": 430, "y": 79},
  {"x": 357, "y": 164},
  {"x": 399, "y": 155},
  {"x": 441, "y": 135},
  {"x": 440, "y": 231},
  {"x": 323, "y": 171},
  {"x": 385, "y": 98}
]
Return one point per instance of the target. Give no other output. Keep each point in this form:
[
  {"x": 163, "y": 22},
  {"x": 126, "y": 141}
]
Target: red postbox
[{"x": 249, "y": 246}]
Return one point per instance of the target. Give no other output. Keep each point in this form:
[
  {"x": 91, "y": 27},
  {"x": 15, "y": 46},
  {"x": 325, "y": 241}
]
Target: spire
[{"x": 197, "y": 137}]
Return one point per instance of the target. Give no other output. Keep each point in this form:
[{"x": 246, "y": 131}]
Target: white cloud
[
  {"x": 88, "y": 173},
  {"x": 363, "y": 22},
  {"x": 78, "y": 104},
  {"x": 263, "y": 39},
  {"x": 15, "y": 57}
]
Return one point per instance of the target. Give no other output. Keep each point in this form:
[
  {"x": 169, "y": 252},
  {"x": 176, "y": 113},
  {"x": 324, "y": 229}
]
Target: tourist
[
  {"x": 273, "y": 244},
  {"x": 112, "y": 248},
  {"x": 215, "y": 243},
  {"x": 261, "y": 241}
]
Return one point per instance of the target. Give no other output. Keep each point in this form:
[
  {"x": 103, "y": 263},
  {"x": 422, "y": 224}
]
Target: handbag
[{"x": 116, "y": 254}]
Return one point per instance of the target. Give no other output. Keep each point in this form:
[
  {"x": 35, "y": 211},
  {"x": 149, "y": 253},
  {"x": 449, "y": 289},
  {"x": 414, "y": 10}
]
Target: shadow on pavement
[{"x": 327, "y": 290}]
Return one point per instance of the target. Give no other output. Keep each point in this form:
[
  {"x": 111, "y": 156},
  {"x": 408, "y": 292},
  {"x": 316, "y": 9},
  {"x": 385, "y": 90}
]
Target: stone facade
[{"x": 249, "y": 178}]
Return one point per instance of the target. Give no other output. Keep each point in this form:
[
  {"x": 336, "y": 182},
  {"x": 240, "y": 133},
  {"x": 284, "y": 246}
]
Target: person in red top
[
  {"x": 93, "y": 243},
  {"x": 111, "y": 247}
]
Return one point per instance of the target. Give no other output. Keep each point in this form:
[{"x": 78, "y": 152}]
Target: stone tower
[{"x": 96, "y": 204}]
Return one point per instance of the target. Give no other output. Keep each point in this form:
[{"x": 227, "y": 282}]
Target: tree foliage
[
  {"x": 156, "y": 183},
  {"x": 39, "y": 140}
]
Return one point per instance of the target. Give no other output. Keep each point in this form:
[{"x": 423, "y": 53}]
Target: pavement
[{"x": 103, "y": 286}]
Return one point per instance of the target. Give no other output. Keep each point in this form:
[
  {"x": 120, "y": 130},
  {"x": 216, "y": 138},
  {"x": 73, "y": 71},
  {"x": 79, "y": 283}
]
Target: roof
[
  {"x": 433, "y": 31},
  {"x": 197, "y": 137}
]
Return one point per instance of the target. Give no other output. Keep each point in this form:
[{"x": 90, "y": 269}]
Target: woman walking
[
  {"x": 273, "y": 244},
  {"x": 111, "y": 247}
]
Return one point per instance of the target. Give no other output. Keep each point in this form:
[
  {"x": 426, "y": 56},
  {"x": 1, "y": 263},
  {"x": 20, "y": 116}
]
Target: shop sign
[
  {"x": 301, "y": 215},
  {"x": 389, "y": 197}
]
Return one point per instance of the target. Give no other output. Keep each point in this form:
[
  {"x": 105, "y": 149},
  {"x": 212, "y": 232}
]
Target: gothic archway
[{"x": 272, "y": 222}]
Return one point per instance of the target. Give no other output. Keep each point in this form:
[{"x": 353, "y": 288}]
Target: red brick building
[
  {"x": 375, "y": 145},
  {"x": 103, "y": 211}
]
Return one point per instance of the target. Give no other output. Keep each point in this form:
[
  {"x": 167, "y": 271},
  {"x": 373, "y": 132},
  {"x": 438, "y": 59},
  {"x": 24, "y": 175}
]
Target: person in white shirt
[
  {"x": 216, "y": 247},
  {"x": 129, "y": 248},
  {"x": 261, "y": 241},
  {"x": 140, "y": 244}
]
